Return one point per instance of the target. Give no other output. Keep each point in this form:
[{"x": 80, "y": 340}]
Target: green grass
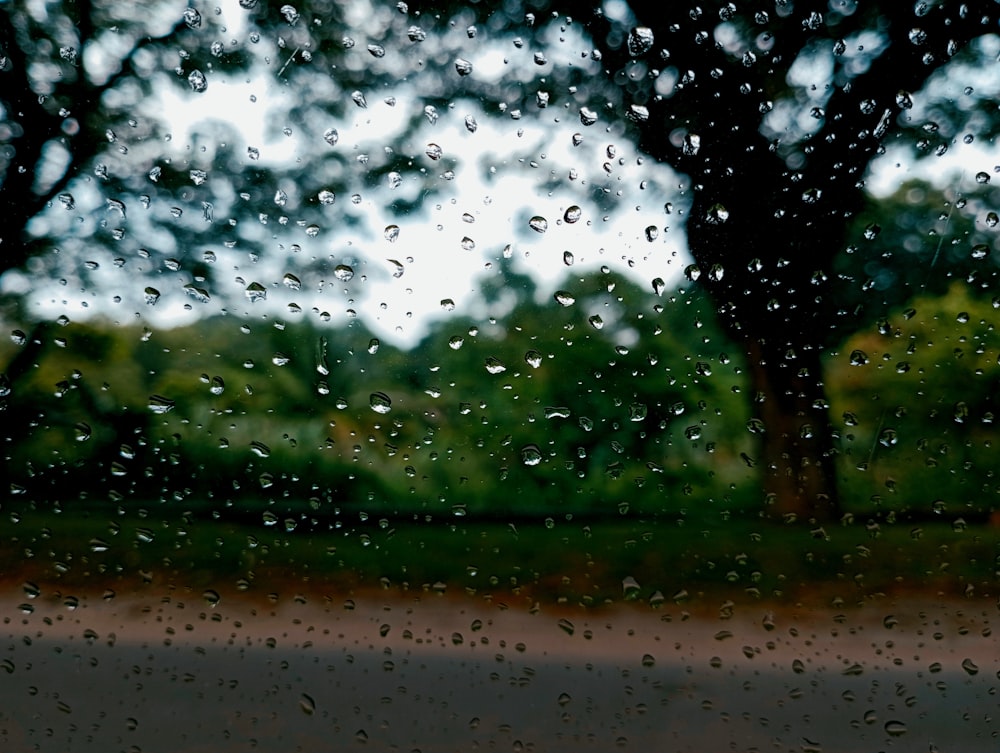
[{"x": 544, "y": 560}]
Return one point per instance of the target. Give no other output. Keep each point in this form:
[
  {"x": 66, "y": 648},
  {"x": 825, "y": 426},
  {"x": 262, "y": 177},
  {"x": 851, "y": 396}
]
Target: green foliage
[
  {"x": 919, "y": 408},
  {"x": 620, "y": 402},
  {"x": 617, "y": 402},
  {"x": 920, "y": 240}
]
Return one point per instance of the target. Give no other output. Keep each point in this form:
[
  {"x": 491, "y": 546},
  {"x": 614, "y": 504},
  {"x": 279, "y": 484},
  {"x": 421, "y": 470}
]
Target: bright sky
[{"x": 437, "y": 261}]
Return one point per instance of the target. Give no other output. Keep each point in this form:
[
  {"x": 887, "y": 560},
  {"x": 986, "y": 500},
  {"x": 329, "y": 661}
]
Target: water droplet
[
  {"x": 982, "y": 178},
  {"x": 810, "y": 746},
  {"x": 573, "y": 214},
  {"x": 495, "y": 366},
  {"x": 308, "y": 706},
  {"x": 211, "y": 597},
  {"x": 533, "y": 358},
  {"x": 343, "y": 272},
  {"x": 637, "y": 412},
  {"x": 980, "y": 251},
  {"x": 197, "y": 81},
  {"x": 359, "y": 99},
  {"x": 463, "y": 66},
  {"x": 326, "y": 198},
  {"x": 904, "y": 100},
  {"x": 433, "y": 151},
  {"x": 716, "y": 215},
  {"x": 394, "y": 179},
  {"x": 557, "y": 411},
  {"x": 640, "y": 41},
  {"x": 858, "y": 358},
  {"x": 380, "y": 402},
  {"x": 82, "y": 432},
  {"x": 630, "y": 588},
  {"x": 218, "y": 386},
  {"x": 566, "y": 626},
  {"x": 151, "y": 296},
  {"x": 455, "y": 342},
  {"x": 895, "y": 729},
  {"x": 199, "y": 294},
  {"x": 114, "y": 205},
  {"x": 538, "y": 224},
  {"x": 260, "y": 449},
  {"x": 563, "y": 298},
  {"x": 637, "y": 113},
  {"x": 160, "y": 404},
  {"x": 587, "y": 116},
  {"x": 596, "y": 322},
  {"x": 255, "y": 292},
  {"x": 397, "y": 268},
  {"x": 659, "y": 285},
  {"x": 331, "y": 136},
  {"x": 970, "y": 667},
  {"x": 192, "y": 18},
  {"x": 691, "y": 145},
  {"x": 652, "y": 233}
]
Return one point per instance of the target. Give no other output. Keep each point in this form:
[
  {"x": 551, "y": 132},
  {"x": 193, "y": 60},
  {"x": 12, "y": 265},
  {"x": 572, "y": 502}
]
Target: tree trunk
[{"x": 797, "y": 440}]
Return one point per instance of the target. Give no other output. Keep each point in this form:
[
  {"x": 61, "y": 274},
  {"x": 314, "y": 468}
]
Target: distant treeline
[{"x": 605, "y": 399}]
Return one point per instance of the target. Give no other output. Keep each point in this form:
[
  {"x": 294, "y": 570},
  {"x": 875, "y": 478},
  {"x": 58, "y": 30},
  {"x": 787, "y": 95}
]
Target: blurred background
[
  {"x": 526, "y": 375},
  {"x": 502, "y": 298}
]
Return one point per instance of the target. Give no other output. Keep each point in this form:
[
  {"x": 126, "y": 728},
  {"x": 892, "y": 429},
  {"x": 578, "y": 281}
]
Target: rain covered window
[{"x": 514, "y": 376}]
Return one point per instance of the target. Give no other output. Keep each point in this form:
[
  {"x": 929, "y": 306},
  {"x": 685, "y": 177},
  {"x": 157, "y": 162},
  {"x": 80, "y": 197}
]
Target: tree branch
[
  {"x": 863, "y": 112},
  {"x": 19, "y": 201}
]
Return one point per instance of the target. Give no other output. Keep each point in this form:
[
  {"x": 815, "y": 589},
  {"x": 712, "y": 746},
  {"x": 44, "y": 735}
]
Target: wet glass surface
[{"x": 516, "y": 376}]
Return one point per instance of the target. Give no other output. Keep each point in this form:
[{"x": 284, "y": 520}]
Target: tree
[
  {"x": 773, "y": 193},
  {"x": 773, "y": 110}
]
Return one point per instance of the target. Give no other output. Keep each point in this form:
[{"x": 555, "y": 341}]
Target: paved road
[{"x": 173, "y": 674}]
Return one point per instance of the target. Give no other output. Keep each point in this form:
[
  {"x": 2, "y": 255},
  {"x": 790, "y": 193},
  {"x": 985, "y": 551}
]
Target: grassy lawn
[{"x": 579, "y": 562}]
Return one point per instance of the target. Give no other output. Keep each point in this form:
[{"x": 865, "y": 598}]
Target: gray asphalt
[{"x": 163, "y": 680}]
